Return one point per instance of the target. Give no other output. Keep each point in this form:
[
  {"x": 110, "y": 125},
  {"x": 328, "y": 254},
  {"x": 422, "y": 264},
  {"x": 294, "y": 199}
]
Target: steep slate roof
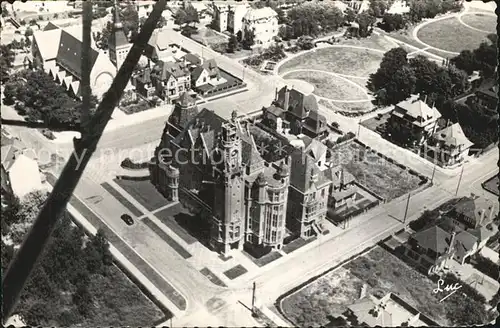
[
  {"x": 433, "y": 238},
  {"x": 117, "y": 37},
  {"x": 192, "y": 59},
  {"x": 415, "y": 108},
  {"x": 144, "y": 76},
  {"x": 69, "y": 54},
  {"x": 302, "y": 171},
  {"x": 185, "y": 110},
  {"x": 299, "y": 104},
  {"x": 482, "y": 233},
  {"x": 50, "y": 26},
  {"x": 211, "y": 66},
  {"x": 164, "y": 70},
  {"x": 472, "y": 208},
  {"x": 454, "y": 136},
  {"x": 255, "y": 14}
]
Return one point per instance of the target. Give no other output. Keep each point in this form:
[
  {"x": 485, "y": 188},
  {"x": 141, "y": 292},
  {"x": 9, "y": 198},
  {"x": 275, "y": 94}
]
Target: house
[
  {"x": 388, "y": 311},
  {"x": 229, "y": 17},
  {"x": 314, "y": 185},
  {"x": 144, "y": 8},
  {"x": 245, "y": 197},
  {"x": 58, "y": 52},
  {"x": 486, "y": 95},
  {"x": 205, "y": 73},
  {"x": 415, "y": 119},
  {"x": 170, "y": 80},
  {"x": 160, "y": 46},
  {"x": 263, "y": 23},
  {"x": 20, "y": 172},
  {"x": 474, "y": 212},
  {"x": 293, "y": 111},
  {"x": 144, "y": 84},
  {"x": 448, "y": 147},
  {"x": 430, "y": 248}
]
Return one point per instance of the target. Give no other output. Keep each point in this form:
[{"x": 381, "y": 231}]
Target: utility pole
[
  {"x": 253, "y": 299},
  {"x": 86, "y": 90},
  {"x": 359, "y": 128},
  {"x": 460, "y": 179},
  {"x": 170, "y": 322},
  {"x": 433, "y": 172},
  {"x": 406, "y": 209}
]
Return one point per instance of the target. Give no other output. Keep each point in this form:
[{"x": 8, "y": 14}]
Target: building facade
[
  {"x": 263, "y": 23},
  {"x": 448, "y": 147},
  {"x": 415, "y": 120}
]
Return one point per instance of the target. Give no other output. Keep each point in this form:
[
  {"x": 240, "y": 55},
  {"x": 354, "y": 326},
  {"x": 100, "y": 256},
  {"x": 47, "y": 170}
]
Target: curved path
[
  {"x": 368, "y": 98},
  {"x": 417, "y": 28},
  {"x": 472, "y": 13}
]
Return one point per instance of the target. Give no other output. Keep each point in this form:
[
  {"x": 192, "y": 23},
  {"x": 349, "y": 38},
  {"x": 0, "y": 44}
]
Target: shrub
[
  {"x": 48, "y": 134},
  {"x": 486, "y": 266},
  {"x": 127, "y": 163}
]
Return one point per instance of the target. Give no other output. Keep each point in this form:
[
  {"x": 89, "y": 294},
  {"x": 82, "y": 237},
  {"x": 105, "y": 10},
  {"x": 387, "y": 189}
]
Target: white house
[{"x": 264, "y": 24}]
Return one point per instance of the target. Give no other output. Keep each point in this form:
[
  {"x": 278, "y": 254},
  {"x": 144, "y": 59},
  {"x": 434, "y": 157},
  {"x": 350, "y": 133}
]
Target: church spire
[
  {"x": 118, "y": 43},
  {"x": 117, "y": 24}
]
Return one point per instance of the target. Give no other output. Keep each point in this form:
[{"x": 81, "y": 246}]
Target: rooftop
[
  {"x": 453, "y": 136},
  {"x": 418, "y": 109},
  {"x": 255, "y": 14},
  {"x": 433, "y": 238}
]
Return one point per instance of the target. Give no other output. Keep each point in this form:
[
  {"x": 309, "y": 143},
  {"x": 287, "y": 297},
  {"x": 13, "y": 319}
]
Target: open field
[
  {"x": 382, "y": 177},
  {"x": 329, "y": 86},
  {"x": 363, "y": 106},
  {"x": 480, "y": 21},
  {"x": 327, "y": 296},
  {"x": 342, "y": 60},
  {"x": 373, "y": 42},
  {"x": 443, "y": 35}
]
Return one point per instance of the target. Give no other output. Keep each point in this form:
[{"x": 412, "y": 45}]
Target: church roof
[{"x": 69, "y": 54}]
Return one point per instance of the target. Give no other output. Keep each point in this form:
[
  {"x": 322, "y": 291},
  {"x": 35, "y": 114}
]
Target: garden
[
  {"x": 329, "y": 85},
  {"x": 382, "y": 177},
  {"x": 327, "y": 296},
  {"x": 443, "y": 34}
]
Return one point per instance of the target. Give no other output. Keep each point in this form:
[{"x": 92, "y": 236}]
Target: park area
[
  {"x": 453, "y": 36},
  {"x": 379, "y": 175},
  {"x": 480, "y": 21},
  {"x": 347, "y": 60},
  {"x": 329, "y": 85}
]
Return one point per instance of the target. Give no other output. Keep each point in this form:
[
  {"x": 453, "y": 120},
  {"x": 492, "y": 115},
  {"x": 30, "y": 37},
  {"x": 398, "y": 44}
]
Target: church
[{"x": 57, "y": 51}]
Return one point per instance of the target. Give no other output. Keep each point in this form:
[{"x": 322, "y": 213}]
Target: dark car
[{"x": 127, "y": 219}]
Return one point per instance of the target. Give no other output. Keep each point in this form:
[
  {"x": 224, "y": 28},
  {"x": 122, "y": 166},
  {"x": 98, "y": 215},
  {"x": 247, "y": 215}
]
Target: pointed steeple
[{"x": 118, "y": 43}]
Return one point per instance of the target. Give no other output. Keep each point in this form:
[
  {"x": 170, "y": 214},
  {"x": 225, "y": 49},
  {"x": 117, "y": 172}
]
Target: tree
[
  {"x": 129, "y": 18},
  {"x": 464, "y": 311},
  {"x": 349, "y": 15},
  {"x": 465, "y": 61},
  {"x": 365, "y": 22},
  {"x": 486, "y": 58},
  {"x": 191, "y": 14},
  {"x": 29, "y": 32},
  {"x": 27, "y": 42},
  {"x": 248, "y": 39},
  {"x": 392, "y": 60},
  {"x": 6, "y": 62},
  {"x": 425, "y": 72},
  {"x": 378, "y": 8},
  {"x": 305, "y": 42},
  {"x": 392, "y": 22},
  {"x": 102, "y": 38},
  {"x": 181, "y": 17},
  {"x": 232, "y": 45}
]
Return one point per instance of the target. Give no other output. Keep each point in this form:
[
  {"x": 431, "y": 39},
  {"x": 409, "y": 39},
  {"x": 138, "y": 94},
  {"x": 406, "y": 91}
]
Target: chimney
[
  {"x": 275, "y": 94},
  {"x": 492, "y": 212},
  {"x": 482, "y": 213},
  {"x": 287, "y": 99},
  {"x": 452, "y": 243}
]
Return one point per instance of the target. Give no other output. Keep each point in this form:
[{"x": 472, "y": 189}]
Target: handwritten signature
[{"x": 448, "y": 288}]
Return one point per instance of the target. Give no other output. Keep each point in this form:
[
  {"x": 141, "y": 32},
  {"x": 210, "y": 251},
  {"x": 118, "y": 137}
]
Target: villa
[{"x": 448, "y": 147}]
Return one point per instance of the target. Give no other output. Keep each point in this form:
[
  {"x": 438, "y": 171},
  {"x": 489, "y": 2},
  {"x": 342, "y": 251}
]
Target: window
[
  {"x": 172, "y": 83},
  {"x": 323, "y": 192},
  {"x": 204, "y": 79},
  {"x": 275, "y": 220},
  {"x": 181, "y": 88},
  {"x": 273, "y": 236}
]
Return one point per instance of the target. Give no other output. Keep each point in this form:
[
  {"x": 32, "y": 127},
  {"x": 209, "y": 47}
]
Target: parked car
[{"x": 127, "y": 219}]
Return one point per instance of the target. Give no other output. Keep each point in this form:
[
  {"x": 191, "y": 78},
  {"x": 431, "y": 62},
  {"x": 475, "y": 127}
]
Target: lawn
[
  {"x": 212, "y": 277},
  {"x": 235, "y": 272},
  {"x": 481, "y": 21},
  {"x": 327, "y": 296},
  {"x": 450, "y": 35},
  {"x": 373, "y": 41},
  {"x": 163, "y": 235},
  {"x": 144, "y": 192},
  {"x": 356, "y": 107},
  {"x": 382, "y": 177},
  {"x": 168, "y": 217},
  {"x": 266, "y": 259},
  {"x": 124, "y": 201},
  {"x": 296, "y": 244},
  {"x": 342, "y": 60},
  {"x": 492, "y": 185},
  {"x": 385, "y": 273},
  {"x": 329, "y": 86}
]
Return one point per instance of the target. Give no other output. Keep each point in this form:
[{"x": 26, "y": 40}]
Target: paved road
[{"x": 210, "y": 305}]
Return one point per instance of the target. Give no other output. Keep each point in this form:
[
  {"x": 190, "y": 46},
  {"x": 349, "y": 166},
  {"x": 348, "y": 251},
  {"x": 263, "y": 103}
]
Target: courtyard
[{"x": 382, "y": 177}]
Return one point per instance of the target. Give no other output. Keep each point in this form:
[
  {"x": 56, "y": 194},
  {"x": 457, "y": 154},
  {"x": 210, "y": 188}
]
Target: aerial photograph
[{"x": 237, "y": 163}]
